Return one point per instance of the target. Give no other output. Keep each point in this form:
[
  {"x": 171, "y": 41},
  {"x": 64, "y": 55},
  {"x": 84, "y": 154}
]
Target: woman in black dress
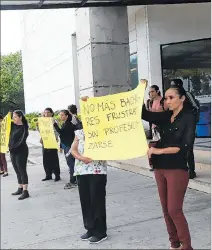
[
  {"x": 50, "y": 156},
  {"x": 19, "y": 152}
]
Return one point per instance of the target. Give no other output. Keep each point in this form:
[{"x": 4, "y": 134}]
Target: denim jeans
[{"x": 70, "y": 162}]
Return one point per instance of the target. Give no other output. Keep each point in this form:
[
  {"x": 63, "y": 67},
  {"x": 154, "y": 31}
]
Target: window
[
  {"x": 134, "y": 70},
  {"x": 191, "y": 62}
]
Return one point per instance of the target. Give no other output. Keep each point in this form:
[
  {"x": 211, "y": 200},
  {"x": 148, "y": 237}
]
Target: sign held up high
[{"x": 113, "y": 127}]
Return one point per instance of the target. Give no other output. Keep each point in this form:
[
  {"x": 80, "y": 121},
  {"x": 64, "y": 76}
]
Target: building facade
[{"x": 99, "y": 51}]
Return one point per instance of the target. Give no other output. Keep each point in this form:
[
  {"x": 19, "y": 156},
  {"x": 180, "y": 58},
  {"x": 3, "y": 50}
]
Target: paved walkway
[{"x": 51, "y": 217}]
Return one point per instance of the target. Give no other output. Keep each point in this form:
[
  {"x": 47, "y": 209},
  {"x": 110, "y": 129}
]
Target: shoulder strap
[
  {"x": 192, "y": 100},
  {"x": 162, "y": 103}
]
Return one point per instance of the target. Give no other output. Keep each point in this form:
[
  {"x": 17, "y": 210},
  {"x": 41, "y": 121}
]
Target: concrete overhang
[{"x": 53, "y": 4}]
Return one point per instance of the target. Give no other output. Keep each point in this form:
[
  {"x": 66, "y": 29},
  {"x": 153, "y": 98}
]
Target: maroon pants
[
  {"x": 172, "y": 185},
  {"x": 3, "y": 162}
]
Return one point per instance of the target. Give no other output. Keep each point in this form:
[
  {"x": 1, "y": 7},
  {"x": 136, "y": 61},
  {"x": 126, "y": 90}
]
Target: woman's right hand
[
  {"x": 86, "y": 160},
  {"x": 54, "y": 121},
  {"x": 84, "y": 98}
]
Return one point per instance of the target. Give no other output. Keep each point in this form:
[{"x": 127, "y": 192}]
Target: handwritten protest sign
[
  {"x": 47, "y": 133},
  {"x": 5, "y": 133},
  {"x": 113, "y": 127}
]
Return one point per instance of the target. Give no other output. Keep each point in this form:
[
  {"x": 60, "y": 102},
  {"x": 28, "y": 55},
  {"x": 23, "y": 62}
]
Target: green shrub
[{"x": 32, "y": 119}]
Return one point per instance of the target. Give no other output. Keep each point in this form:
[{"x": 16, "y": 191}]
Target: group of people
[
  {"x": 66, "y": 133},
  {"x": 169, "y": 157}
]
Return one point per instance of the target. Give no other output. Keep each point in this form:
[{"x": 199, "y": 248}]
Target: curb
[
  {"x": 193, "y": 184},
  {"x": 202, "y": 156}
]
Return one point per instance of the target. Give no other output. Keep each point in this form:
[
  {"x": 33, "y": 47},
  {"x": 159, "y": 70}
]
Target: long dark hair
[
  {"x": 180, "y": 90},
  {"x": 19, "y": 113},
  {"x": 66, "y": 112},
  {"x": 73, "y": 109},
  {"x": 177, "y": 82},
  {"x": 50, "y": 110},
  {"x": 156, "y": 88}
]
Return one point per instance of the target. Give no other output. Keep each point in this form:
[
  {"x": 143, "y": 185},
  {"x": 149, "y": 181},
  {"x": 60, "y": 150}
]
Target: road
[{"x": 51, "y": 217}]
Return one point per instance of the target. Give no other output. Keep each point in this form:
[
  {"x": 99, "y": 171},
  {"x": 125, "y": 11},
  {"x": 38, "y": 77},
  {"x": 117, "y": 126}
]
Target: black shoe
[
  {"x": 192, "y": 175},
  {"x": 74, "y": 183},
  {"x": 5, "y": 175},
  {"x": 18, "y": 192},
  {"x": 151, "y": 170},
  {"x": 24, "y": 195},
  {"x": 57, "y": 178},
  {"x": 96, "y": 240},
  {"x": 86, "y": 236},
  {"x": 68, "y": 186},
  {"x": 47, "y": 178}
]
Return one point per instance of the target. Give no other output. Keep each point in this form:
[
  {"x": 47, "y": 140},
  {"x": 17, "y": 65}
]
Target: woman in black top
[
  {"x": 169, "y": 158},
  {"x": 50, "y": 156},
  {"x": 19, "y": 152},
  {"x": 67, "y": 135}
]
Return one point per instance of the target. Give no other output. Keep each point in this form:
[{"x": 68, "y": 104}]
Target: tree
[
  {"x": 199, "y": 79},
  {"x": 11, "y": 80}
]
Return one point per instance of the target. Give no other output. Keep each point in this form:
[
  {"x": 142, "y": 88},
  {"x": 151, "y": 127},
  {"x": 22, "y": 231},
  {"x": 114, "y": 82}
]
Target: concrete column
[
  {"x": 103, "y": 50},
  {"x": 75, "y": 69}
]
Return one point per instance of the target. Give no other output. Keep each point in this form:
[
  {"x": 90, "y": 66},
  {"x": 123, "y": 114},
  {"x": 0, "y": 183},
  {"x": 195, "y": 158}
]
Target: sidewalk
[
  {"x": 51, "y": 217},
  {"x": 141, "y": 166}
]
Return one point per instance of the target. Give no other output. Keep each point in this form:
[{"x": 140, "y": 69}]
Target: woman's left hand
[
  {"x": 153, "y": 151},
  {"x": 86, "y": 160},
  {"x": 144, "y": 81}
]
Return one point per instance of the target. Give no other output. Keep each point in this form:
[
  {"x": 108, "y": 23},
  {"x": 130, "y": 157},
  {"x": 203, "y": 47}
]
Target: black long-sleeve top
[
  {"x": 18, "y": 137},
  {"x": 66, "y": 132},
  {"x": 180, "y": 133}
]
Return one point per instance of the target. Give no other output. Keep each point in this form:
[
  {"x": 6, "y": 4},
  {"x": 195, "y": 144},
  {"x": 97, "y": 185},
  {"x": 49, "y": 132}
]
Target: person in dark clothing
[
  {"x": 66, "y": 133},
  {"x": 148, "y": 106},
  {"x": 50, "y": 156},
  {"x": 169, "y": 158},
  {"x": 191, "y": 162},
  {"x": 19, "y": 152},
  {"x": 74, "y": 119}
]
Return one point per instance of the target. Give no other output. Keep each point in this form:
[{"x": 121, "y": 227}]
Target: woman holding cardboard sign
[
  {"x": 50, "y": 156},
  {"x": 92, "y": 180},
  {"x": 19, "y": 152},
  {"x": 169, "y": 158}
]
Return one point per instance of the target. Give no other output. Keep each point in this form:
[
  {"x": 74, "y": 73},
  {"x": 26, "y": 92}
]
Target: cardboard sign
[
  {"x": 5, "y": 133},
  {"x": 113, "y": 127},
  {"x": 47, "y": 133}
]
